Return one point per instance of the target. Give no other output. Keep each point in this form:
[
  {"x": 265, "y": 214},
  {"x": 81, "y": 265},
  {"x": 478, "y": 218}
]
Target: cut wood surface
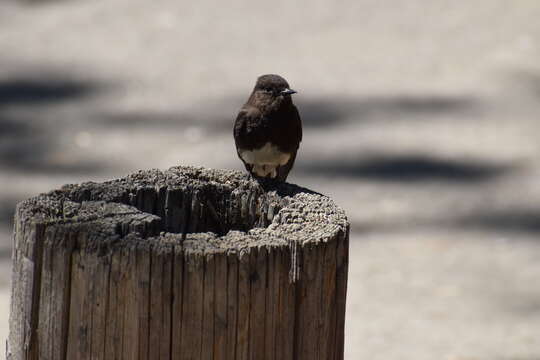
[{"x": 188, "y": 263}]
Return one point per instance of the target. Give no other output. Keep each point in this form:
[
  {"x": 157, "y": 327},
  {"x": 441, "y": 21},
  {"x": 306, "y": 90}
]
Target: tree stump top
[
  {"x": 204, "y": 210},
  {"x": 188, "y": 263}
]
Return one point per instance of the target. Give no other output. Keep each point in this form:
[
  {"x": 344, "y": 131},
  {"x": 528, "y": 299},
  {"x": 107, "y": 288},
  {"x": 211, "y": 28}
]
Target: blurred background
[{"x": 421, "y": 119}]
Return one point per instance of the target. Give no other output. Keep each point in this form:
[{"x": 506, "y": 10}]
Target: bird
[{"x": 268, "y": 129}]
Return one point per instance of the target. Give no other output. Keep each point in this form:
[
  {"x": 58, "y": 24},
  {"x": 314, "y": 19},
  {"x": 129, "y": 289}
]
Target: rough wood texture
[{"x": 188, "y": 263}]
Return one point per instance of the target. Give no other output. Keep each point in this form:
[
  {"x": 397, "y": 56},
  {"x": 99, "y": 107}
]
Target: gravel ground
[{"x": 420, "y": 119}]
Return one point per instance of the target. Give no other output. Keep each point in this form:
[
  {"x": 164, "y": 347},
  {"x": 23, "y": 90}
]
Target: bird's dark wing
[
  {"x": 291, "y": 137},
  {"x": 298, "y": 125},
  {"x": 283, "y": 171},
  {"x": 248, "y": 132}
]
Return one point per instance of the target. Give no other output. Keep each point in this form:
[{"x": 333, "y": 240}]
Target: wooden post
[{"x": 188, "y": 263}]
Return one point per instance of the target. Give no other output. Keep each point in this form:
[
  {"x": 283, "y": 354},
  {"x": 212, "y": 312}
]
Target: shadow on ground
[
  {"x": 322, "y": 112},
  {"x": 28, "y": 135},
  {"x": 411, "y": 168},
  {"x": 29, "y": 92},
  {"x": 7, "y": 211},
  {"x": 509, "y": 221},
  {"x": 501, "y": 223},
  {"x": 315, "y": 112}
]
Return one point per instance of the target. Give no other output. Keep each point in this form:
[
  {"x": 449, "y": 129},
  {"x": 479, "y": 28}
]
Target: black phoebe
[{"x": 268, "y": 129}]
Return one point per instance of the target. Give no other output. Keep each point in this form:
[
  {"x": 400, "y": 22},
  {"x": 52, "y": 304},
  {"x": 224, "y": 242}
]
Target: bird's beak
[{"x": 288, "y": 92}]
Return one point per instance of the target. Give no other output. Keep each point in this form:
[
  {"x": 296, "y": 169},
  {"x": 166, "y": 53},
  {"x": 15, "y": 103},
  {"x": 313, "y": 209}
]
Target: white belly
[{"x": 265, "y": 160}]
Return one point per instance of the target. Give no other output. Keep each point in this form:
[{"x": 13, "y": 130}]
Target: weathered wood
[
  {"x": 272, "y": 295},
  {"x": 232, "y": 305},
  {"x": 160, "y": 314},
  {"x": 114, "y": 309},
  {"x": 101, "y": 287},
  {"x": 327, "y": 319},
  {"x": 243, "y": 308},
  {"x": 220, "y": 307},
  {"x": 257, "y": 295},
  {"x": 207, "y": 347},
  {"x": 308, "y": 305},
  {"x": 285, "y": 338},
  {"x": 192, "y": 309},
  {"x": 178, "y": 300},
  {"x": 188, "y": 263},
  {"x": 341, "y": 291}
]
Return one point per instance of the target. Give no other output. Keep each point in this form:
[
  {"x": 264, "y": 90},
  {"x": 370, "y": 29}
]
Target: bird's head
[{"x": 273, "y": 86}]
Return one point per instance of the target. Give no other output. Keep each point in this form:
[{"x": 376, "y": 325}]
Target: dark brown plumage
[{"x": 268, "y": 129}]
